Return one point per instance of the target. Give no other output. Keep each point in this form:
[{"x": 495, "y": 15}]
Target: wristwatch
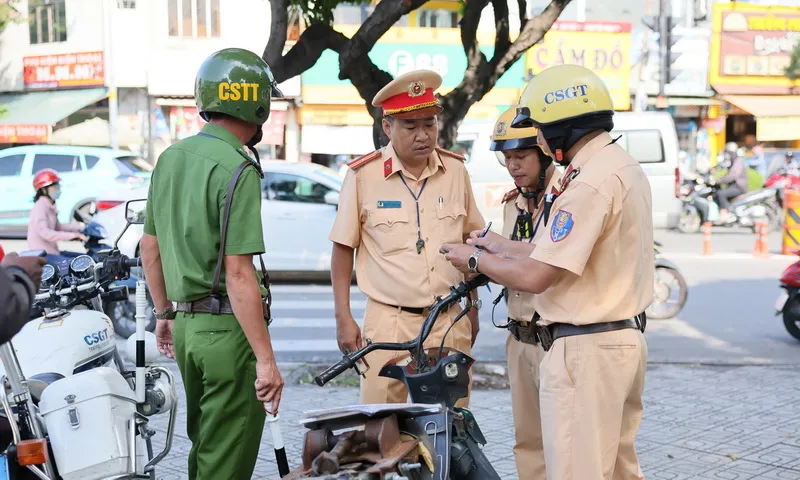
[
  {"x": 476, "y": 303},
  {"x": 168, "y": 314},
  {"x": 472, "y": 263}
]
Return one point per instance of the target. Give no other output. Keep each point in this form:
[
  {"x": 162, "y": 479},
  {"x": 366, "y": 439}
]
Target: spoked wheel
[
  {"x": 670, "y": 294},
  {"x": 123, "y": 316},
  {"x": 791, "y": 317},
  {"x": 690, "y": 221}
]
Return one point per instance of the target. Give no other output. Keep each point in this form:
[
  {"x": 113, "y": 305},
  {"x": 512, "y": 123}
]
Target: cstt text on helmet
[
  {"x": 565, "y": 93},
  {"x": 238, "y": 91}
]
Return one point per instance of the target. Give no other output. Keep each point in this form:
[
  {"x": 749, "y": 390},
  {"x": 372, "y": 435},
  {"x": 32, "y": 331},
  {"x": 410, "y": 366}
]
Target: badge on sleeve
[{"x": 561, "y": 226}]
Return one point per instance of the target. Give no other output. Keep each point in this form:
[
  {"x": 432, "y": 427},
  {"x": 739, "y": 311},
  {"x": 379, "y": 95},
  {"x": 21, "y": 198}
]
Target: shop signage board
[
  {"x": 64, "y": 70},
  {"x": 24, "y": 133}
]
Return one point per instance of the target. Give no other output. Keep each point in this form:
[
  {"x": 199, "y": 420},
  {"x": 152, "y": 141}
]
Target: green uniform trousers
[{"x": 224, "y": 419}]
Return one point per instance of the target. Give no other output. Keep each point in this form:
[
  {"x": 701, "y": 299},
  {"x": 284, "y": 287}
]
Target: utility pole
[
  {"x": 663, "y": 45},
  {"x": 113, "y": 110}
]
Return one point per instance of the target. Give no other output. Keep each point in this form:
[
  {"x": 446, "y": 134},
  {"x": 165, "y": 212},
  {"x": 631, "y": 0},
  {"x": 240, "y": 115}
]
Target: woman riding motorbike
[
  {"x": 737, "y": 180},
  {"x": 44, "y": 229}
]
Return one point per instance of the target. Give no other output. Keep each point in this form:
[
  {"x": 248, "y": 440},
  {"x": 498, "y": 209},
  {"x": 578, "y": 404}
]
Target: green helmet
[{"x": 235, "y": 82}]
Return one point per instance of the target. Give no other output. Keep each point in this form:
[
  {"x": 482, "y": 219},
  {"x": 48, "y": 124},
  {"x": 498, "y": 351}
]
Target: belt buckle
[{"x": 545, "y": 337}]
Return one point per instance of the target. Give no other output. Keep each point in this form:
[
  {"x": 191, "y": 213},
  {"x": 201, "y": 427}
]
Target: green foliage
[
  {"x": 793, "y": 70},
  {"x": 3, "y": 111},
  {"x": 318, "y": 11},
  {"x": 9, "y": 13}
]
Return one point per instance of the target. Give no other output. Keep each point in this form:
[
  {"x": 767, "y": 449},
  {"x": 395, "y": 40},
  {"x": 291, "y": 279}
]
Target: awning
[
  {"x": 94, "y": 133},
  {"x": 336, "y": 139},
  {"x": 47, "y": 107},
  {"x": 777, "y": 116}
]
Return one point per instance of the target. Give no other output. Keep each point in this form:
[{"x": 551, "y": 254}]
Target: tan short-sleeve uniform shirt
[
  {"x": 378, "y": 217},
  {"x": 601, "y": 234},
  {"x": 520, "y": 304}
]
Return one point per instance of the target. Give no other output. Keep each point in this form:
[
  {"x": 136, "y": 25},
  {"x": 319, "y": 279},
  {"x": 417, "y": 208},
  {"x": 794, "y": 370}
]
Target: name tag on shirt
[{"x": 389, "y": 204}]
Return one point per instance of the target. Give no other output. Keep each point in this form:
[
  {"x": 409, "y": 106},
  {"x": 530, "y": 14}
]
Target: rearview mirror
[
  {"x": 135, "y": 210},
  {"x": 332, "y": 198}
]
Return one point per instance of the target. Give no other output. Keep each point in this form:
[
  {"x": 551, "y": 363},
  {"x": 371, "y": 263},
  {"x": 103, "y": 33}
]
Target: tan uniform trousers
[
  {"x": 591, "y": 399},
  {"x": 523, "y": 374},
  {"x": 383, "y": 323}
]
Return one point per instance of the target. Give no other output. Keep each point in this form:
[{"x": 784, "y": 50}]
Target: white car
[{"x": 298, "y": 207}]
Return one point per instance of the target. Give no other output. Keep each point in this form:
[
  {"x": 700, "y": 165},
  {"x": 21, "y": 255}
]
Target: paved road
[{"x": 700, "y": 423}]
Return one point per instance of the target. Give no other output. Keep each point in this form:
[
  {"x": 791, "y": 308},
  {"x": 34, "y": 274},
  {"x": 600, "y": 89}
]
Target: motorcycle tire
[
  {"x": 791, "y": 317},
  {"x": 690, "y": 222},
  {"x": 674, "y": 309},
  {"x": 123, "y": 316}
]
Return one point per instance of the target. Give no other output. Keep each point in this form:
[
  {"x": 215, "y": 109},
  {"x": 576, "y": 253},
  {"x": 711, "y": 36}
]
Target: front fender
[{"x": 664, "y": 263}]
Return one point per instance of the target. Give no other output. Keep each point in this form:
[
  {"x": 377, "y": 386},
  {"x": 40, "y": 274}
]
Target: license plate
[
  {"x": 781, "y": 301},
  {"x": 4, "y": 468}
]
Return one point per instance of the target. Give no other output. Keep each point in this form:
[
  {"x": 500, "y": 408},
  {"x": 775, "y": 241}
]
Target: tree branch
[
  {"x": 502, "y": 39},
  {"x": 304, "y": 54},
  {"x": 385, "y": 15},
  {"x": 277, "y": 32}
]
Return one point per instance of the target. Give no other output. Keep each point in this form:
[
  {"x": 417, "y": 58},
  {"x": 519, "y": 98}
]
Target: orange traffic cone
[
  {"x": 707, "y": 250},
  {"x": 761, "y": 248}
]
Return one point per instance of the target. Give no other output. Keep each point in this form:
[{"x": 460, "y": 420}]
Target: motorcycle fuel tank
[{"x": 71, "y": 342}]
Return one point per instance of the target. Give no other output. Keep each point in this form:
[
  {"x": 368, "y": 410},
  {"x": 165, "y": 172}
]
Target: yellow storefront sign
[{"x": 600, "y": 46}]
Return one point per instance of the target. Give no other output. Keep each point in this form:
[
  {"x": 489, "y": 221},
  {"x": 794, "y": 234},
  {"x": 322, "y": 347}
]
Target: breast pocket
[
  {"x": 391, "y": 230},
  {"x": 450, "y": 222}
]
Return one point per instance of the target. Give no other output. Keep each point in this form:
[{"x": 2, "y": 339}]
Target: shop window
[
  {"x": 47, "y": 21},
  {"x": 59, "y": 163},
  {"x": 11, "y": 166},
  {"x": 193, "y": 18},
  {"x": 437, "y": 18},
  {"x": 291, "y": 188},
  {"x": 646, "y": 146}
]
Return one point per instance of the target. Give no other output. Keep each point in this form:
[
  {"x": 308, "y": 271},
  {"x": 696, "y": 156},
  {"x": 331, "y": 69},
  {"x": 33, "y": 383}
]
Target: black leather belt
[
  {"x": 524, "y": 332},
  {"x": 549, "y": 334},
  {"x": 415, "y": 310},
  {"x": 204, "y": 306}
]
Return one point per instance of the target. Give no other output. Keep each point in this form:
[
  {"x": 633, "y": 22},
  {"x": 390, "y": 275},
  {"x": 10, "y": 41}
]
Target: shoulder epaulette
[
  {"x": 364, "y": 159},
  {"x": 455, "y": 155},
  {"x": 510, "y": 195}
]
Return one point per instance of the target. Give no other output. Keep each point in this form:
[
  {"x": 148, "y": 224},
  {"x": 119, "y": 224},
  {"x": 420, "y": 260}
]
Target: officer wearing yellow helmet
[
  {"x": 534, "y": 174},
  {"x": 591, "y": 269},
  {"x": 197, "y": 249}
]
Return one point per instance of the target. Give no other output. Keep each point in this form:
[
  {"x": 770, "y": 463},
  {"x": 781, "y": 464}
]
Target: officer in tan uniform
[
  {"x": 534, "y": 175},
  {"x": 592, "y": 271},
  {"x": 397, "y": 206}
]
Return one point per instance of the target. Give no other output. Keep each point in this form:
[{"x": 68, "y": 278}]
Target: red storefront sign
[
  {"x": 273, "y": 128},
  {"x": 65, "y": 70},
  {"x": 24, "y": 133},
  {"x": 186, "y": 121}
]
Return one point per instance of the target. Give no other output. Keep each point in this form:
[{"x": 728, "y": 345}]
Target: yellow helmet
[
  {"x": 561, "y": 93},
  {"x": 505, "y": 138}
]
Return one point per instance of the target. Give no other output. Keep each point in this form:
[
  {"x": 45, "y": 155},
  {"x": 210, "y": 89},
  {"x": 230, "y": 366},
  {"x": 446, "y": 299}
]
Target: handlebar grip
[
  {"x": 333, "y": 372},
  {"x": 133, "y": 262}
]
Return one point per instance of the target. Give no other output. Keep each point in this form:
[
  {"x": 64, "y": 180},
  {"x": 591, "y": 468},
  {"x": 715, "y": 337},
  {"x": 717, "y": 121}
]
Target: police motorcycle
[
  {"x": 71, "y": 409},
  {"x": 429, "y": 439},
  {"x": 670, "y": 290},
  {"x": 121, "y": 312},
  {"x": 700, "y": 206}
]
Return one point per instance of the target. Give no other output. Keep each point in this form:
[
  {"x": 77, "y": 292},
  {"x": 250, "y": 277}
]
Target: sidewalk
[{"x": 701, "y": 423}]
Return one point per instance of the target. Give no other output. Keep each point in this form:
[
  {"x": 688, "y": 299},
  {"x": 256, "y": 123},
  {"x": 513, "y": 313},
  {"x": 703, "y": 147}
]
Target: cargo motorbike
[
  {"x": 788, "y": 302},
  {"x": 71, "y": 408},
  {"x": 670, "y": 289},
  {"x": 429, "y": 439}
]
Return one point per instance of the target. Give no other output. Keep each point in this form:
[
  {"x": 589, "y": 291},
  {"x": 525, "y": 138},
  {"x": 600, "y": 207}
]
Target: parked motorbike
[
  {"x": 670, "y": 289},
  {"x": 782, "y": 180},
  {"x": 121, "y": 312},
  {"x": 424, "y": 440},
  {"x": 699, "y": 206},
  {"x": 71, "y": 409},
  {"x": 788, "y": 302}
]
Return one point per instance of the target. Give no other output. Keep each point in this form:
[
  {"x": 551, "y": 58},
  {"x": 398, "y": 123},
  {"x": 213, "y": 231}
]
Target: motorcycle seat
[{"x": 37, "y": 384}]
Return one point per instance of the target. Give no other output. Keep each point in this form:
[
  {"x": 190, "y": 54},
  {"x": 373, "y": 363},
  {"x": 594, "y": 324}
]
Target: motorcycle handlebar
[
  {"x": 133, "y": 262},
  {"x": 348, "y": 361}
]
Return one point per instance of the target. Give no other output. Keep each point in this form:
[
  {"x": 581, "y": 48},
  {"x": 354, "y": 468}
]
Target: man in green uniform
[{"x": 224, "y": 354}]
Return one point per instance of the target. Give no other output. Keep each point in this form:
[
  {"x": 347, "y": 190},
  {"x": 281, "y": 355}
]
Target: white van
[{"x": 650, "y": 137}]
